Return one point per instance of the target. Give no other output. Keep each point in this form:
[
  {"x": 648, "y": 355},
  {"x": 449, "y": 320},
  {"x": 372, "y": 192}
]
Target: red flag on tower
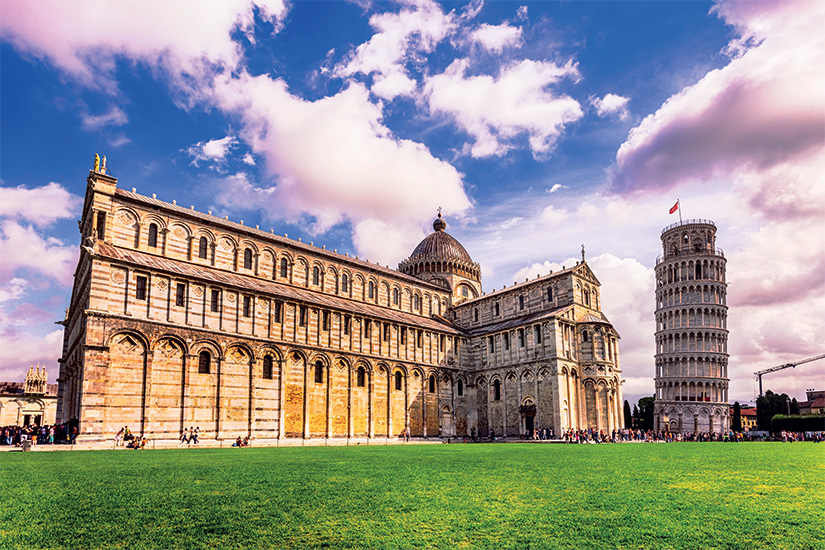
[{"x": 675, "y": 208}]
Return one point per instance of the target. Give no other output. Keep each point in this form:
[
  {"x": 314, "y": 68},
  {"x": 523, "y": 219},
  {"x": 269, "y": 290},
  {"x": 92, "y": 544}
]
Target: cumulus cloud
[
  {"x": 496, "y": 110},
  {"x": 213, "y": 151},
  {"x": 496, "y": 38},
  {"x": 249, "y": 159},
  {"x": 187, "y": 39},
  {"x": 400, "y": 38},
  {"x": 611, "y": 105},
  {"x": 334, "y": 159},
  {"x": 23, "y": 247},
  {"x": 41, "y": 206},
  {"x": 556, "y": 187},
  {"x": 765, "y": 108}
]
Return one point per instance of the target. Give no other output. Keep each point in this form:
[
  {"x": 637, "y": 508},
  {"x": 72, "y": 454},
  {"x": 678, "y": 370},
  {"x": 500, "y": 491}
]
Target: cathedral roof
[{"x": 440, "y": 245}]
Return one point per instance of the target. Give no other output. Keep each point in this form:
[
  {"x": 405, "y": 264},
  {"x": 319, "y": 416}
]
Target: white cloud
[
  {"x": 188, "y": 39},
  {"x": 400, "y": 38},
  {"x": 249, "y": 159},
  {"x": 556, "y": 187},
  {"x": 334, "y": 160},
  {"x": 41, "y": 206},
  {"x": 495, "y": 111},
  {"x": 23, "y": 247},
  {"x": 497, "y": 37},
  {"x": 113, "y": 117},
  {"x": 214, "y": 151},
  {"x": 611, "y": 105}
]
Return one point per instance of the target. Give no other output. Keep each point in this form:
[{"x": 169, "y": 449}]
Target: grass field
[{"x": 688, "y": 495}]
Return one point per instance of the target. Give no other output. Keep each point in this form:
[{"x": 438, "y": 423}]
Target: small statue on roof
[{"x": 97, "y": 162}]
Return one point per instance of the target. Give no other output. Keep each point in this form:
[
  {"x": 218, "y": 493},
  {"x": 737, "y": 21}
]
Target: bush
[{"x": 798, "y": 423}]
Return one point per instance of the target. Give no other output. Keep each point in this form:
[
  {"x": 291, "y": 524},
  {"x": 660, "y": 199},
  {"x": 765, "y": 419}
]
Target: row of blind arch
[{"x": 268, "y": 372}]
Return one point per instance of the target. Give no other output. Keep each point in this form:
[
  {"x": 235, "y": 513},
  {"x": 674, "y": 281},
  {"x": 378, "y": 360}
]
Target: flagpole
[{"x": 679, "y": 202}]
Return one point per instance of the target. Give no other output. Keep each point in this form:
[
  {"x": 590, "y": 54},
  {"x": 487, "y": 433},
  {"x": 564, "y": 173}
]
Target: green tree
[
  {"x": 628, "y": 417},
  {"x": 794, "y": 406},
  {"x": 737, "y": 417},
  {"x": 770, "y": 405},
  {"x": 646, "y": 412}
]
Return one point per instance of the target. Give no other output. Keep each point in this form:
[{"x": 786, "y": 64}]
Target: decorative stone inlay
[
  {"x": 161, "y": 284},
  {"x": 262, "y": 303},
  {"x": 231, "y": 297},
  {"x": 125, "y": 217},
  {"x": 118, "y": 276},
  {"x": 226, "y": 244},
  {"x": 198, "y": 291},
  {"x": 179, "y": 232}
]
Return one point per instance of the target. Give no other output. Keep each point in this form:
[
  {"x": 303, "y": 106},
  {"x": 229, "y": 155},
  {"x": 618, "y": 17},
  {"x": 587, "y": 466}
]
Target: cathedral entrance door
[{"x": 528, "y": 425}]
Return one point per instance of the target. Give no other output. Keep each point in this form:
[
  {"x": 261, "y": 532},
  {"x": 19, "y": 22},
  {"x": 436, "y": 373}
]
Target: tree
[
  {"x": 635, "y": 416},
  {"x": 646, "y": 412},
  {"x": 628, "y": 417},
  {"x": 770, "y": 405},
  {"x": 737, "y": 417},
  {"x": 794, "y": 406}
]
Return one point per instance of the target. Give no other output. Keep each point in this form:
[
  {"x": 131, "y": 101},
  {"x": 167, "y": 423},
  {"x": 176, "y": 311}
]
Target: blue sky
[{"x": 537, "y": 126}]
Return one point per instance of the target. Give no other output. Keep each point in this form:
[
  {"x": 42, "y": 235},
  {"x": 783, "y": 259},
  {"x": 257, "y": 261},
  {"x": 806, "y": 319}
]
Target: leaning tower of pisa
[{"x": 691, "y": 331}]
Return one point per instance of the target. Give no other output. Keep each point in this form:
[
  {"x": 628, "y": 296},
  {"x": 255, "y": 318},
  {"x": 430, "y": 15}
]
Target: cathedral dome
[
  {"x": 440, "y": 255},
  {"x": 440, "y": 246}
]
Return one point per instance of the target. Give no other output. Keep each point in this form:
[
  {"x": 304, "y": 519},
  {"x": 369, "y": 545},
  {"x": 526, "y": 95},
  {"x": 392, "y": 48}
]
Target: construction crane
[{"x": 785, "y": 366}]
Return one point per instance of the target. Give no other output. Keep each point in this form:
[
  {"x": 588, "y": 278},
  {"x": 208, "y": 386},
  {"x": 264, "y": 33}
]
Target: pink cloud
[
  {"x": 334, "y": 160},
  {"x": 765, "y": 108},
  {"x": 186, "y": 38},
  {"x": 41, "y": 206}
]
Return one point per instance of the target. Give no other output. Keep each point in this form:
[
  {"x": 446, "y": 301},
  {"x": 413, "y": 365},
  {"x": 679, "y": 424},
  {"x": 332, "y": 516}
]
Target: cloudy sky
[{"x": 537, "y": 126}]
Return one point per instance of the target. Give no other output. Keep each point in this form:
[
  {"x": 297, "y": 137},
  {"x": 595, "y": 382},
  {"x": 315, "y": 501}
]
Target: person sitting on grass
[
  {"x": 238, "y": 442},
  {"x": 245, "y": 442}
]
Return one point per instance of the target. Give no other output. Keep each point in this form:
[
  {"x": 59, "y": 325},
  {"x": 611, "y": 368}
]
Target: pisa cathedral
[
  {"x": 691, "y": 331},
  {"x": 179, "y": 318}
]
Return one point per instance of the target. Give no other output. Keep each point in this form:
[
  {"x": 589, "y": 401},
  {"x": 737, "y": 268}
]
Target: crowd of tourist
[
  {"x": 628, "y": 435},
  {"x": 38, "y": 435}
]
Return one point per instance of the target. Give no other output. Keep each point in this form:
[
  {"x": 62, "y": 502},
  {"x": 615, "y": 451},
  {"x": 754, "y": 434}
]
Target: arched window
[
  {"x": 460, "y": 387},
  {"x": 284, "y": 268},
  {"x": 417, "y": 302},
  {"x": 506, "y": 338},
  {"x": 549, "y": 293},
  {"x": 496, "y": 309},
  {"x": 268, "y": 367},
  {"x": 153, "y": 235},
  {"x": 360, "y": 377},
  {"x": 395, "y": 297},
  {"x": 204, "y": 362},
  {"x": 316, "y": 276},
  {"x": 521, "y": 302},
  {"x": 475, "y": 314},
  {"x": 586, "y": 297},
  {"x": 432, "y": 384},
  {"x": 247, "y": 258},
  {"x": 521, "y": 337},
  {"x": 319, "y": 372},
  {"x": 399, "y": 381},
  {"x": 371, "y": 291},
  {"x": 203, "y": 245},
  {"x": 496, "y": 390},
  {"x": 584, "y": 336},
  {"x": 345, "y": 283}
]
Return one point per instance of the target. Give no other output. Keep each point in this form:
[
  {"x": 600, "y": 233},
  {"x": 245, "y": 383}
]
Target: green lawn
[{"x": 686, "y": 495}]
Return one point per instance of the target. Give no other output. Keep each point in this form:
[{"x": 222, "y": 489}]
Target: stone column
[
  {"x": 350, "y": 423},
  {"x": 329, "y": 403},
  {"x": 281, "y": 396},
  {"x": 371, "y": 406},
  {"x": 306, "y": 398}
]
